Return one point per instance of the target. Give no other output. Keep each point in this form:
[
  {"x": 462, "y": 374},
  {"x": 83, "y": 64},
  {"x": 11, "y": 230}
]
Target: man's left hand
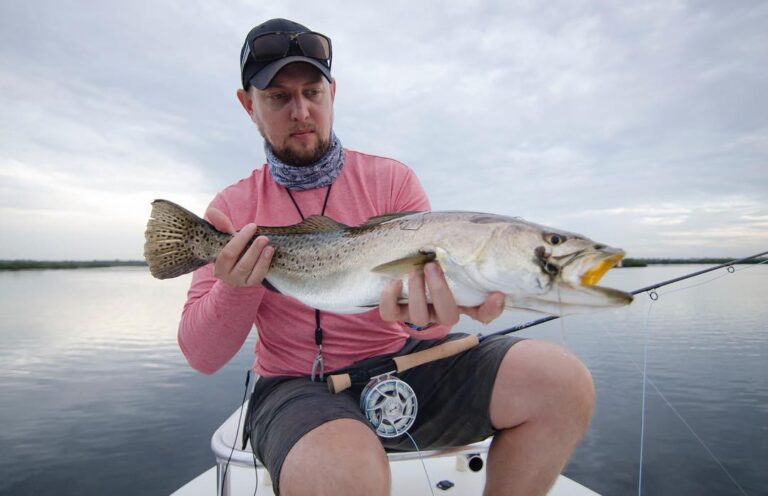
[{"x": 442, "y": 309}]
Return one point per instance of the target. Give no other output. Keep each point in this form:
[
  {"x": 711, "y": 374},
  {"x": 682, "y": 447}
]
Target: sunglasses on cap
[{"x": 276, "y": 45}]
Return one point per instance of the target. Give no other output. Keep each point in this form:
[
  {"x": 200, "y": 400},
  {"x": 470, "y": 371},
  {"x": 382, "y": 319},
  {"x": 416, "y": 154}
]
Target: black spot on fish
[{"x": 551, "y": 269}]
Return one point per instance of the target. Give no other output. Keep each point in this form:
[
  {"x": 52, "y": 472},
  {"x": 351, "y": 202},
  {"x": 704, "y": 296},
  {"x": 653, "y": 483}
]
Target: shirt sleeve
[
  {"x": 217, "y": 318},
  {"x": 409, "y": 195}
]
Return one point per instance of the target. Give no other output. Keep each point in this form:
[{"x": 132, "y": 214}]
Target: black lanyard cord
[
  {"x": 298, "y": 209},
  {"x": 318, "y": 328}
]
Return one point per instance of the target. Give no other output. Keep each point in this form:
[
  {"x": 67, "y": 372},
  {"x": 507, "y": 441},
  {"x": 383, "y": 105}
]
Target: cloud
[
  {"x": 626, "y": 121},
  {"x": 664, "y": 221}
]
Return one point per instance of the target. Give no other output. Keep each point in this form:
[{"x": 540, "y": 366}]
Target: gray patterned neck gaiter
[{"x": 315, "y": 175}]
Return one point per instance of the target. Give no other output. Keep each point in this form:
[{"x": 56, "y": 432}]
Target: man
[{"x": 535, "y": 398}]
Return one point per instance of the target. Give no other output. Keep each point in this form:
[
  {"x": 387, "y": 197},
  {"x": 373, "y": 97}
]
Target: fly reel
[{"x": 390, "y": 405}]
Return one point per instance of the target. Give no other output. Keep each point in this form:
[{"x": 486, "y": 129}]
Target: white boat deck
[
  {"x": 408, "y": 473},
  {"x": 408, "y": 479}
]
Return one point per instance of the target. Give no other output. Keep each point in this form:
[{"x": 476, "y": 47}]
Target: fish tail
[{"x": 177, "y": 241}]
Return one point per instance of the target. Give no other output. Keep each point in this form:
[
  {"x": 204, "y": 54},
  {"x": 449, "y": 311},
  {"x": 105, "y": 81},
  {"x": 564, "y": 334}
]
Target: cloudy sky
[{"x": 643, "y": 125}]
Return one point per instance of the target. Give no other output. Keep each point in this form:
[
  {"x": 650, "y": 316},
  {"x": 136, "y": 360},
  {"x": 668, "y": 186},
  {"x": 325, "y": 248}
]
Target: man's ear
[
  {"x": 246, "y": 101},
  {"x": 333, "y": 89}
]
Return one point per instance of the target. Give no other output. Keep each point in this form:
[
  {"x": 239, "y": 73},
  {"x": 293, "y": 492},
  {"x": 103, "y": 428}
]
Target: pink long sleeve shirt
[{"x": 217, "y": 318}]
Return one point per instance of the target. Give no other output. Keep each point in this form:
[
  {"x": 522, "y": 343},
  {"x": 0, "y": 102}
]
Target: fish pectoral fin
[
  {"x": 270, "y": 286},
  {"x": 402, "y": 266}
]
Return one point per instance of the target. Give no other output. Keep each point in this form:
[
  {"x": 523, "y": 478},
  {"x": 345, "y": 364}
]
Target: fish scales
[
  {"x": 333, "y": 269},
  {"x": 344, "y": 249},
  {"x": 344, "y": 269}
]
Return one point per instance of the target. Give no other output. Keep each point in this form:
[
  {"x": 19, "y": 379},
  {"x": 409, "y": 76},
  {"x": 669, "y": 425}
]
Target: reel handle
[
  {"x": 444, "y": 350},
  {"x": 339, "y": 382}
]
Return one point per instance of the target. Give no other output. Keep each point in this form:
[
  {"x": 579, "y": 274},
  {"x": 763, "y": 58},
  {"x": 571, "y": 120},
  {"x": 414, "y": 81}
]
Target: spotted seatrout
[{"x": 330, "y": 266}]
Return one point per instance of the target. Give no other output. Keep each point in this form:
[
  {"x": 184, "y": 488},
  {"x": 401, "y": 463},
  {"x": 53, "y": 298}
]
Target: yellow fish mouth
[{"x": 593, "y": 275}]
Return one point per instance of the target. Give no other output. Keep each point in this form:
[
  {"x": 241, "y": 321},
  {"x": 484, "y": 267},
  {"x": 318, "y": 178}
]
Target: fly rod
[
  {"x": 342, "y": 381},
  {"x": 652, "y": 287},
  {"x": 359, "y": 376}
]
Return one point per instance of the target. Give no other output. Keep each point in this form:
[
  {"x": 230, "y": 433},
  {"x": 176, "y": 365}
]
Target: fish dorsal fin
[
  {"x": 402, "y": 266},
  {"x": 311, "y": 225},
  {"x": 380, "y": 219}
]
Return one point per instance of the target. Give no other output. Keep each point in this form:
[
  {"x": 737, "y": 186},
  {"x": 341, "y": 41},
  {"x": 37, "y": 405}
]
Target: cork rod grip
[
  {"x": 339, "y": 382},
  {"x": 435, "y": 353}
]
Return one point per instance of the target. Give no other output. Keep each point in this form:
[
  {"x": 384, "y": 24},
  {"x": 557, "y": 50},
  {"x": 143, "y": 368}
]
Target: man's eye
[{"x": 277, "y": 96}]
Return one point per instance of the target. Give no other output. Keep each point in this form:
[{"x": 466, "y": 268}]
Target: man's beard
[{"x": 291, "y": 157}]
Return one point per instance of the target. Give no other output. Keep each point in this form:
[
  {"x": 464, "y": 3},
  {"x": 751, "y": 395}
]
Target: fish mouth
[{"x": 594, "y": 273}]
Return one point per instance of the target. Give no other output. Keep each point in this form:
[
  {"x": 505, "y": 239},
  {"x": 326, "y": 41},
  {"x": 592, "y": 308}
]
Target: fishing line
[
  {"x": 751, "y": 266},
  {"x": 677, "y": 413},
  {"x": 653, "y": 294},
  {"x": 645, "y": 377},
  {"x": 421, "y": 458},
  {"x": 652, "y": 287},
  {"x": 237, "y": 431},
  {"x": 699, "y": 284},
  {"x": 562, "y": 324},
  {"x": 255, "y": 471},
  {"x": 390, "y": 406},
  {"x": 730, "y": 270}
]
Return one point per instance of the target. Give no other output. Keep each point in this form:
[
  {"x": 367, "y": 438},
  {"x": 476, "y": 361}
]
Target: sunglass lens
[
  {"x": 314, "y": 45},
  {"x": 271, "y": 46}
]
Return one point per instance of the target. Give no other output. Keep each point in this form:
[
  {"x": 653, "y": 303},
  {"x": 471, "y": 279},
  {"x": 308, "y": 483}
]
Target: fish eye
[{"x": 554, "y": 239}]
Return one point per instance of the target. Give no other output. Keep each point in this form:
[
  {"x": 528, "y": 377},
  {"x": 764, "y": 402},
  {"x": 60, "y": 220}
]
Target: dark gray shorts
[{"x": 453, "y": 396}]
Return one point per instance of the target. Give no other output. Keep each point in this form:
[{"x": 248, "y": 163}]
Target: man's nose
[{"x": 299, "y": 109}]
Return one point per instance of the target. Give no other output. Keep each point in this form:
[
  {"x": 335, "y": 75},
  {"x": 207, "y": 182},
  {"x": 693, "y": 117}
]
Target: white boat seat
[{"x": 228, "y": 436}]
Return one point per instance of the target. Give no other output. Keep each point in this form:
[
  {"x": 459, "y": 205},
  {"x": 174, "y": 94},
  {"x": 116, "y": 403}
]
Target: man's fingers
[
  {"x": 246, "y": 264},
  {"x": 230, "y": 254},
  {"x": 489, "y": 310},
  {"x": 261, "y": 268},
  {"x": 442, "y": 309},
  {"x": 418, "y": 311},
  {"x": 442, "y": 298},
  {"x": 219, "y": 220},
  {"x": 389, "y": 309}
]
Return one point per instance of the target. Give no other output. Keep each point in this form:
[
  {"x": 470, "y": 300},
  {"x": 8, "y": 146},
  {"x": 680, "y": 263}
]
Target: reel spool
[{"x": 390, "y": 405}]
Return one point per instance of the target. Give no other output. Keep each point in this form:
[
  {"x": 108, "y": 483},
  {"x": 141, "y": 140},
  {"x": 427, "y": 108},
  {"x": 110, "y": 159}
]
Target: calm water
[{"x": 95, "y": 397}]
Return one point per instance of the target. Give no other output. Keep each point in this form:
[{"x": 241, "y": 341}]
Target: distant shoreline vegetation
[
  {"x": 67, "y": 264},
  {"x": 94, "y": 264}
]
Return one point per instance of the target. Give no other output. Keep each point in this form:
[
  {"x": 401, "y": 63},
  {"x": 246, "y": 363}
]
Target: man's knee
[
  {"x": 540, "y": 378},
  {"x": 331, "y": 458},
  {"x": 579, "y": 399}
]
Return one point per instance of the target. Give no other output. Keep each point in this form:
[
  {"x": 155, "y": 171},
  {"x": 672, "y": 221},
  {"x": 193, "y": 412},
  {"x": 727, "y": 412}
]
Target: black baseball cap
[{"x": 260, "y": 73}]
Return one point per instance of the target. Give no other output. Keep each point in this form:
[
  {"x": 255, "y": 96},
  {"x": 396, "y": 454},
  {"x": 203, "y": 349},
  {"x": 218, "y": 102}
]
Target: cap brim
[{"x": 262, "y": 79}]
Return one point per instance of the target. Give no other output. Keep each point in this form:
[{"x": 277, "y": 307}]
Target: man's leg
[
  {"x": 314, "y": 442},
  {"x": 542, "y": 401},
  {"x": 340, "y": 457}
]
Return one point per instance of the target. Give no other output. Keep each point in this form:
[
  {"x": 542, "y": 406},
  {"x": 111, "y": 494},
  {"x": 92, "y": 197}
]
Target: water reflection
[
  {"x": 95, "y": 387},
  {"x": 95, "y": 390}
]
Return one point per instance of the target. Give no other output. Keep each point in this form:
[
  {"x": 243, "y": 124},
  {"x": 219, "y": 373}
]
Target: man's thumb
[{"x": 219, "y": 220}]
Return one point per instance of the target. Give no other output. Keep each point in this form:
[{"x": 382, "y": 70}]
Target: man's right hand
[{"x": 234, "y": 266}]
